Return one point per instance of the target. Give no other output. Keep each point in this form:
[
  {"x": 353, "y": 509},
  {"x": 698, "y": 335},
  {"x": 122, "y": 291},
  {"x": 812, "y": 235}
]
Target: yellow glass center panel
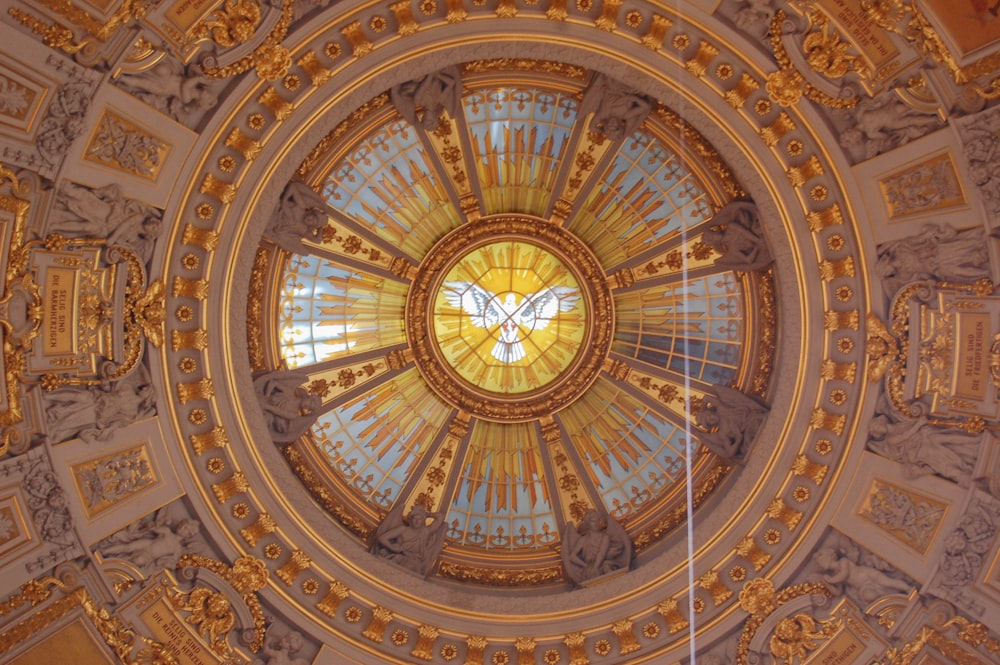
[{"x": 509, "y": 317}]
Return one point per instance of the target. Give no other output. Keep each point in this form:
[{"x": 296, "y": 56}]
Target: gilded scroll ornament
[
  {"x": 907, "y": 19},
  {"x": 788, "y": 85},
  {"x": 792, "y": 635},
  {"x": 247, "y": 576},
  {"x": 270, "y": 58},
  {"x": 54, "y": 35}
]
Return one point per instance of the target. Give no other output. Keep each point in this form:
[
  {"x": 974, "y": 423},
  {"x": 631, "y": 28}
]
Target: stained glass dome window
[{"x": 511, "y": 318}]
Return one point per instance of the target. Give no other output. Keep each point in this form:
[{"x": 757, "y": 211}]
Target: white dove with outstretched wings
[{"x": 486, "y": 310}]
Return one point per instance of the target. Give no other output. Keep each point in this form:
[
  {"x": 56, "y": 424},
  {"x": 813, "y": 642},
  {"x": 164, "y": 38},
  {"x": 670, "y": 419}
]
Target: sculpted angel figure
[
  {"x": 289, "y": 408},
  {"x": 728, "y": 422},
  {"x": 881, "y": 123},
  {"x": 301, "y": 214},
  {"x": 410, "y": 541},
  {"x": 598, "y": 546},
  {"x": 533, "y": 312},
  {"x": 180, "y": 91},
  {"x": 436, "y": 93},
  {"x": 737, "y": 235},
  {"x": 618, "y": 109}
]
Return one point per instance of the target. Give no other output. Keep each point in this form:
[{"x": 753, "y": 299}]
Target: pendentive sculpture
[
  {"x": 410, "y": 541},
  {"x": 728, "y": 422},
  {"x": 289, "y": 408},
  {"x": 283, "y": 650},
  {"x": 301, "y": 214},
  {"x": 859, "y": 581},
  {"x": 436, "y": 93},
  {"x": 883, "y": 122},
  {"x": 737, "y": 235},
  {"x": 598, "y": 546}
]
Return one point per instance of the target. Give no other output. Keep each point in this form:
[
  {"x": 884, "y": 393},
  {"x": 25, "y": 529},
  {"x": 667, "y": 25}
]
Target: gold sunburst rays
[
  {"x": 417, "y": 207},
  {"x": 600, "y": 425},
  {"x": 377, "y": 439},
  {"x": 645, "y": 189},
  {"x": 502, "y": 456},
  {"x": 401, "y": 408},
  {"x": 519, "y": 138},
  {"x": 387, "y": 183},
  {"x": 328, "y": 311}
]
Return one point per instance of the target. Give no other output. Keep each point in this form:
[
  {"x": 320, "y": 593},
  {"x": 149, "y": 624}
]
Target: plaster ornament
[
  {"x": 754, "y": 17},
  {"x": 63, "y": 122},
  {"x": 879, "y": 124},
  {"x": 967, "y": 547},
  {"x": 736, "y": 234},
  {"x": 410, "y": 541},
  {"x": 180, "y": 91},
  {"x": 924, "y": 449},
  {"x": 289, "y": 409},
  {"x": 436, "y": 94},
  {"x": 95, "y": 413},
  {"x": 859, "y": 581},
  {"x": 105, "y": 213},
  {"x": 728, "y": 422},
  {"x": 282, "y": 651},
  {"x": 48, "y": 505},
  {"x": 598, "y": 546},
  {"x": 152, "y": 545},
  {"x": 301, "y": 214},
  {"x": 939, "y": 252}
]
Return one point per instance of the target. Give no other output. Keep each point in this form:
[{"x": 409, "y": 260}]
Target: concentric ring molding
[{"x": 301, "y": 526}]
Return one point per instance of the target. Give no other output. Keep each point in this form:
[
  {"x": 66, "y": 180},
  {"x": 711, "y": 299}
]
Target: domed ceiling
[
  {"x": 585, "y": 332},
  {"x": 510, "y": 314}
]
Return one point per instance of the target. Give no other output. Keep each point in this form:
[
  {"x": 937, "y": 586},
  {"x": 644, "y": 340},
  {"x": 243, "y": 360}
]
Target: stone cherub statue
[
  {"x": 410, "y": 541},
  {"x": 436, "y": 93},
  {"x": 737, "y": 235},
  {"x": 301, "y": 214},
  {"x": 598, "y": 546},
  {"x": 290, "y": 409},
  {"x": 180, "y": 91},
  {"x": 938, "y": 252},
  {"x": 728, "y": 422}
]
